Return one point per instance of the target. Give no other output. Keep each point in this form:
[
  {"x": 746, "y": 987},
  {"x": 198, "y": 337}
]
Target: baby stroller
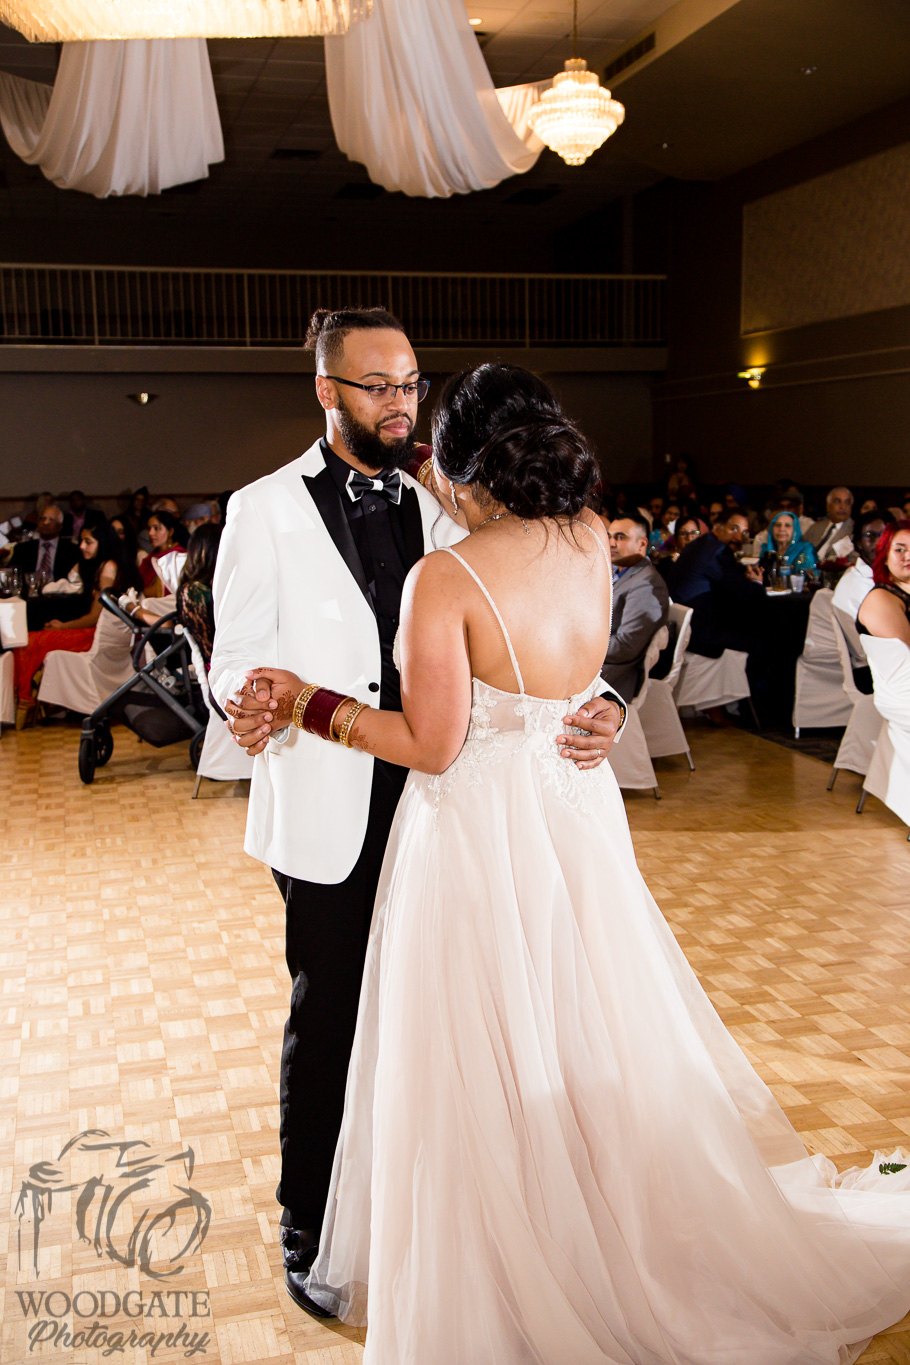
[{"x": 161, "y": 702}]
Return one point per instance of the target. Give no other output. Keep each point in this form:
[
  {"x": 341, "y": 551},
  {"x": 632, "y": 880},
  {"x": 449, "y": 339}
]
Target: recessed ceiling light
[
  {"x": 808, "y": 70},
  {"x": 475, "y": 23}
]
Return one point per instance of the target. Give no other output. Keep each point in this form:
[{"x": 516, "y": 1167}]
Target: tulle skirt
[{"x": 552, "y": 1151}]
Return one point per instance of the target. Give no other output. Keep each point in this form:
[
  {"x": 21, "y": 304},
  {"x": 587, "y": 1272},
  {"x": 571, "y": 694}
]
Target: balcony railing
[{"x": 61, "y": 305}]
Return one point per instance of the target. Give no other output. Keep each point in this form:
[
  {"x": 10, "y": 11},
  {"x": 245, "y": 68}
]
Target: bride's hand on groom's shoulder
[{"x": 601, "y": 718}]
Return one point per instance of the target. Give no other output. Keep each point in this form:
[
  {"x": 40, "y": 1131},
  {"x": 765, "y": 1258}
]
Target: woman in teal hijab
[{"x": 786, "y": 544}]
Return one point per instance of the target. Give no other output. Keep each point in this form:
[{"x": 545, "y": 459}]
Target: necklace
[{"x": 497, "y": 516}]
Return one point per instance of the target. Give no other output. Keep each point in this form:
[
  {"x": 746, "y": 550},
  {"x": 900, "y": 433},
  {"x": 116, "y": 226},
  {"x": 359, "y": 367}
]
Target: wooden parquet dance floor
[{"x": 143, "y": 993}]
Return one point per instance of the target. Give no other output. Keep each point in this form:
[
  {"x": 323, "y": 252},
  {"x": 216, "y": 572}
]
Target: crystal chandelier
[
  {"x": 576, "y": 115},
  {"x": 68, "y": 21}
]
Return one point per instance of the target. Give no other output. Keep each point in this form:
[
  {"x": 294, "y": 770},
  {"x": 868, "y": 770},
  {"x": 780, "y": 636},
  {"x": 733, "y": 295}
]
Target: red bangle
[{"x": 320, "y": 711}]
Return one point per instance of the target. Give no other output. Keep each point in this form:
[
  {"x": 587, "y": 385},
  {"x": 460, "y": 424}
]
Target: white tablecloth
[{"x": 13, "y": 623}]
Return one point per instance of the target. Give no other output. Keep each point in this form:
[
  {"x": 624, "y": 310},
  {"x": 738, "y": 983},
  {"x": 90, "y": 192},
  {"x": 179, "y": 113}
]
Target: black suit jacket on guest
[
  {"x": 25, "y": 556},
  {"x": 726, "y": 606},
  {"x": 641, "y": 605}
]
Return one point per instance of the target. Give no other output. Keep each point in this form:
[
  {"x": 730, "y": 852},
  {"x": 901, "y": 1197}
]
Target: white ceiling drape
[
  {"x": 121, "y": 118},
  {"x": 412, "y": 99}
]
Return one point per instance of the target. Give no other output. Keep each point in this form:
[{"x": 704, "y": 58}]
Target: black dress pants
[{"x": 326, "y": 931}]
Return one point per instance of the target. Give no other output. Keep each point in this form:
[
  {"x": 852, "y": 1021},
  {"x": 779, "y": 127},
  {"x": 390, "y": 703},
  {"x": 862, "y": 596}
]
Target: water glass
[
  {"x": 797, "y": 582},
  {"x": 33, "y": 584}
]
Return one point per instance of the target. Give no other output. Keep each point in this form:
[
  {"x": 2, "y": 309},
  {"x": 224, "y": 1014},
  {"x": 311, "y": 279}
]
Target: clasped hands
[{"x": 265, "y": 705}]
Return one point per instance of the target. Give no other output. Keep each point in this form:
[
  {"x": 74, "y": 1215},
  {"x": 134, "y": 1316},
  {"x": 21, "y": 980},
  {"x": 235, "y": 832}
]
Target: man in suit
[
  {"x": 309, "y": 577},
  {"x": 727, "y": 600},
  {"x": 830, "y": 531},
  {"x": 52, "y": 554},
  {"x": 641, "y": 605}
]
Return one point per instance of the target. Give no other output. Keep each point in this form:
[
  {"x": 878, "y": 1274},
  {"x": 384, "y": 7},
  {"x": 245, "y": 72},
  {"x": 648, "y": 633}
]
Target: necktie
[
  {"x": 387, "y": 484},
  {"x": 46, "y": 559}
]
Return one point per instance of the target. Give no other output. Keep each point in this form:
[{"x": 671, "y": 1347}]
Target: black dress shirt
[{"x": 378, "y": 533}]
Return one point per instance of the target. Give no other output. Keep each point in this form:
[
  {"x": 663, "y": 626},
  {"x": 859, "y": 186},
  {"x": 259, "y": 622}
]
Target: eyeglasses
[{"x": 380, "y": 393}]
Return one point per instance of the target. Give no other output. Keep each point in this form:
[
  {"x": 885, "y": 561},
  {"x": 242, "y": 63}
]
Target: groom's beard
[{"x": 366, "y": 444}]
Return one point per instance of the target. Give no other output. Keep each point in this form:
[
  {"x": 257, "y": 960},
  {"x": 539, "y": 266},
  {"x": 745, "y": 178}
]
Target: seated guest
[
  {"x": 122, "y": 528},
  {"x": 885, "y": 610},
  {"x": 790, "y": 501},
  {"x": 641, "y": 605},
  {"x": 688, "y": 528},
  {"x": 99, "y": 569},
  {"x": 160, "y": 570},
  {"x": 662, "y": 532},
  {"x": 681, "y": 483},
  {"x": 785, "y": 545},
  {"x": 197, "y": 515},
  {"x": 853, "y": 585},
  {"x": 80, "y": 515},
  {"x": 714, "y": 510},
  {"x": 727, "y": 600},
  {"x": 195, "y": 609},
  {"x": 51, "y": 555},
  {"x": 829, "y": 533}
]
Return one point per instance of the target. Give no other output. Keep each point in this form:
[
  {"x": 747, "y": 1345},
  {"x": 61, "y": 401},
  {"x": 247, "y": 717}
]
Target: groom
[{"x": 309, "y": 577}]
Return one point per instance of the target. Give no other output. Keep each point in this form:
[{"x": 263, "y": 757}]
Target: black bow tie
[{"x": 387, "y": 484}]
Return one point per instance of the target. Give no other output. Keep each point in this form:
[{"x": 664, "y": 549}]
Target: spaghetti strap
[
  {"x": 502, "y": 625},
  {"x": 609, "y": 562}
]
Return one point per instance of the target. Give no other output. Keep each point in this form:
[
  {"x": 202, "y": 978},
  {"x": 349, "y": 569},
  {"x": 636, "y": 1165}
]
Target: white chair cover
[
  {"x": 81, "y": 682},
  {"x": 888, "y": 777},
  {"x": 858, "y": 744},
  {"x": 7, "y": 689},
  {"x": 412, "y": 99},
  {"x": 819, "y": 699},
  {"x": 13, "y": 623},
  {"x": 221, "y": 759},
  {"x": 122, "y": 117},
  {"x": 707, "y": 682},
  {"x": 659, "y": 717},
  {"x": 630, "y": 760}
]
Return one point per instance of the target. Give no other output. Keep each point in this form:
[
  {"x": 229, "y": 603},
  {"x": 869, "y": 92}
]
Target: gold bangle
[
  {"x": 344, "y": 734},
  {"x": 343, "y": 702},
  {"x": 300, "y": 704}
]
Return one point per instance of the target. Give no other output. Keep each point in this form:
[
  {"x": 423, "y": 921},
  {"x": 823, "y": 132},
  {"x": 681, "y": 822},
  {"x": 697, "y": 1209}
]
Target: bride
[{"x": 552, "y": 1151}]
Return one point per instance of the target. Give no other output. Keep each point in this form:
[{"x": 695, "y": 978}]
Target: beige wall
[
  {"x": 835, "y": 400},
  {"x": 208, "y": 432}
]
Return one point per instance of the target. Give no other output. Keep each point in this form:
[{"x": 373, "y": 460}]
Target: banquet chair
[
  {"x": 819, "y": 699},
  {"x": 888, "y": 777},
  {"x": 7, "y": 689},
  {"x": 81, "y": 682},
  {"x": 221, "y": 759},
  {"x": 858, "y": 744},
  {"x": 629, "y": 759},
  {"x": 658, "y": 714},
  {"x": 704, "y": 683}
]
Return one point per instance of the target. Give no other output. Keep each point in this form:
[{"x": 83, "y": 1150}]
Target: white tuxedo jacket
[{"x": 290, "y": 592}]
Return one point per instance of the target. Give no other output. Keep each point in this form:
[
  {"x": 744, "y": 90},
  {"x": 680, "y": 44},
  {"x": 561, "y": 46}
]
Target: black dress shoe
[
  {"x": 294, "y": 1280},
  {"x": 298, "y": 1250}
]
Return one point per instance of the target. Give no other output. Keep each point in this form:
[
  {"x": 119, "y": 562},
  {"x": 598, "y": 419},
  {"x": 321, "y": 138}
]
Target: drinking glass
[
  {"x": 797, "y": 582},
  {"x": 33, "y": 584}
]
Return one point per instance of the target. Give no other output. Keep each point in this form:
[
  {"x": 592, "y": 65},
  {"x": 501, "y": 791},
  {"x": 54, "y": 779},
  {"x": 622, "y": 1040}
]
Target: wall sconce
[
  {"x": 142, "y": 398},
  {"x": 753, "y": 376}
]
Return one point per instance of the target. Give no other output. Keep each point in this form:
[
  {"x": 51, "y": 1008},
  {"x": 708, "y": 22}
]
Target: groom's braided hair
[{"x": 327, "y": 330}]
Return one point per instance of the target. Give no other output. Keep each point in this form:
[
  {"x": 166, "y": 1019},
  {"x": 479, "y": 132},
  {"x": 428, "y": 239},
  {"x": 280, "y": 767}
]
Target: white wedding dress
[{"x": 552, "y": 1151}]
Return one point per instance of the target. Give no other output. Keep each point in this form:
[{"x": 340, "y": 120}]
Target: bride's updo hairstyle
[{"x": 501, "y": 429}]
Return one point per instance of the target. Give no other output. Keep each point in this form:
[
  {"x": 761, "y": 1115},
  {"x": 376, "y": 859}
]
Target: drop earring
[{"x": 454, "y": 503}]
